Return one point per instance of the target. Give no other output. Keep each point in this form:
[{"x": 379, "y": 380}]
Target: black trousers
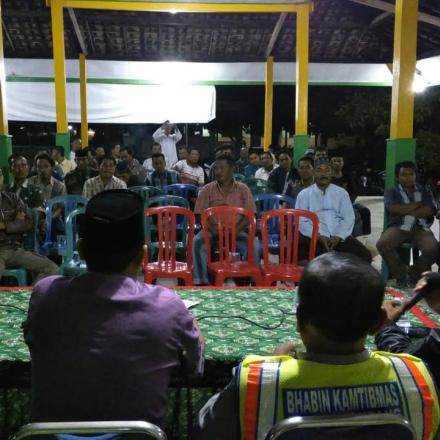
[{"x": 350, "y": 245}]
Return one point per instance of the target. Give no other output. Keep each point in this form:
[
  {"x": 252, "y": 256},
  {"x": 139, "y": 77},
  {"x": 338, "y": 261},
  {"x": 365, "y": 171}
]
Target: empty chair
[
  {"x": 138, "y": 430},
  {"x": 222, "y": 220},
  {"x": 281, "y": 227},
  {"x": 365, "y": 427},
  {"x": 167, "y": 243},
  {"x": 188, "y": 192},
  {"x": 72, "y": 264},
  {"x": 68, "y": 204},
  {"x": 146, "y": 192}
]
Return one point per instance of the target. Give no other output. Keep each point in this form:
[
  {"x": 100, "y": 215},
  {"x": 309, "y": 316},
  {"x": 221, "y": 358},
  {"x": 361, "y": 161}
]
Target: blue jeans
[{"x": 200, "y": 259}]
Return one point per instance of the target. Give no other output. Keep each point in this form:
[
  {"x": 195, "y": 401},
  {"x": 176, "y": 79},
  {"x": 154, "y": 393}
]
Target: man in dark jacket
[{"x": 394, "y": 339}]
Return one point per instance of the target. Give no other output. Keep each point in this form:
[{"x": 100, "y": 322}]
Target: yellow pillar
[
  {"x": 301, "y": 139},
  {"x": 268, "y": 104},
  {"x": 59, "y": 61},
  {"x": 5, "y": 139},
  {"x": 401, "y": 145},
  {"x": 83, "y": 91}
]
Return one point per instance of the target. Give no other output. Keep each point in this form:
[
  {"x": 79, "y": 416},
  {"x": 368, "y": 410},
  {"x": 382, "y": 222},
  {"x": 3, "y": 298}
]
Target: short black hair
[
  {"x": 155, "y": 143},
  {"x": 44, "y": 156},
  {"x": 106, "y": 157},
  {"x": 253, "y": 151},
  {"x": 12, "y": 157},
  {"x": 285, "y": 151},
  {"x": 122, "y": 167},
  {"x": 60, "y": 149},
  {"x": 223, "y": 147},
  {"x": 193, "y": 149},
  {"x": 405, "y": 164},
  {"x": 341, "y": 295},
  {"x": 156, "y": 155},
  {"x": 230, "y": 160},
  {"x": 307, "y": 159},
  {"x": 128, "y": 150},
  {"x": 266, "y": 153}
]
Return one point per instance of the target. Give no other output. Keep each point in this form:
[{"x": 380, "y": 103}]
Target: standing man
[
  {"x": 224, "y": 191},
  {"x": 75, "y": 146},
  {"x": 75, "y": 180},
  {"x": 105, "y": 180},
  {"x": 167, "y": 136},
  {"x": 410, "y": 210},
  {"x": 267, "y": 166},
  {"x": 333, "y": 207},
  {"x": 104, "y": 345},
  {"x": 15, "y": 222}
]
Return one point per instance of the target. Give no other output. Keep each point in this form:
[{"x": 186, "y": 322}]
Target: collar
[
  {"x": 337, "y": 359},
  {"x": 234, "y": 186}
]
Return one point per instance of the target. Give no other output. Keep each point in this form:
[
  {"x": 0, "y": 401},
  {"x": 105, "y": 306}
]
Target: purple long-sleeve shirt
[{"x": 103, "y": 347}]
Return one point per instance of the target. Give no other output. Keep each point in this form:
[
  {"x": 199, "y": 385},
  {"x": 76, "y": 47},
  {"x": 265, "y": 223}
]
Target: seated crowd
[{"x": 98, "y": 367}]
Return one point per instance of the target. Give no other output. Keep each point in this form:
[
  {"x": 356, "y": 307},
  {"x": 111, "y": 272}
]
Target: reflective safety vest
[{"x": 273, "y": 388}]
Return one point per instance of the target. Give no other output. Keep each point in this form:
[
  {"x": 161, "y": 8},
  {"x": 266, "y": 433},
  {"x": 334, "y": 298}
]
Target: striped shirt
[
  {"x": 189, "y": 174},
  {"x": 160, "y": 180},
  {"x": 95, "y": 185}
]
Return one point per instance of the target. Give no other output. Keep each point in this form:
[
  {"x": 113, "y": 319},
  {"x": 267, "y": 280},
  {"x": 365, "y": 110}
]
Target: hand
[
  {"x": 324, "y": 242},
  {"x": 393, "y": 309},
  {"x": 333, "y": 242},
  {"x": 285, "y": 349},
  {"x": 20, "y": 215}
]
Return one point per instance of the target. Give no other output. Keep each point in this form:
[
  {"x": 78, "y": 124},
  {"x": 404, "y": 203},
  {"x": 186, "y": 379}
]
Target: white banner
[{"x": 114, "y": 103}]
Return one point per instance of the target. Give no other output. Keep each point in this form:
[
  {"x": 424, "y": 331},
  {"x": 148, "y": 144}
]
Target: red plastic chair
[
  {"x": 167, "y": 265},
  {"x": 287, "y": 221},
  {"x": 223, "y": 221}
]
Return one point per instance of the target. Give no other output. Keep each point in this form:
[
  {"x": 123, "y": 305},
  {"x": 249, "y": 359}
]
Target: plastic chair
[
  {"x": 224, "y": 219},
  {"x": 146, "y": 192},
  {"x": 362, "y": 427},
  {"x": 19, "y": 274},
  {"x": 72, "y": 264},
  {"x": 188, "y": 192},
  {"x": 257, "y": 186},
  {"x": 287, "y": 239},
  {"x": 70, "y": 203},
  {"x": 167, "y": 265},
  {"x": 90, "y": 430},
  {"x": 167, "y": 200}
]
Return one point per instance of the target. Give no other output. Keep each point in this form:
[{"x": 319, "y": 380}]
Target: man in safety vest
[{"x": 340, "y": 298}]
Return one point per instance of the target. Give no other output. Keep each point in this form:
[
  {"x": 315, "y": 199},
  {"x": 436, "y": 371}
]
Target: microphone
[{"x": 432, "y": 283}]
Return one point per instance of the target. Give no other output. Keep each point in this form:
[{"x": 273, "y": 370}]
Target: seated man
[
  {"x": 75, "y": 180},
  {"x": 224, "y": 191},
  {"x": 135, "y": 167},
  {"x": 189, "y": 170},
  {"x": 161, "y": 176},
  {"x": 395, "y": 339},
  {"x": 279, "y": 178},
  {"x": 104, "y": 345},
  {"x": 156, "y": 148},
  {"x": 306, "y": 171},
  {"x": 15, "y": 222},
  {"x": 333, "y": 207},
  {"x": 105, "y": 179},
  {"x": 66, "y": 165},
  {"x": 267, "y": 166},
  {"x": 254, "y": 161},
  {"x": 340, "y": 299},
  {"x": 124, "y": 173},
  {"x": 410, "y": 209}
]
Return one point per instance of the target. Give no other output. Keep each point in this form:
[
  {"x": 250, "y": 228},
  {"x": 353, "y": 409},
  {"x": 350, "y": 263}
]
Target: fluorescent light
[
  {"x": 172, "y": 11},
  {"x": 419, "y": 84}
]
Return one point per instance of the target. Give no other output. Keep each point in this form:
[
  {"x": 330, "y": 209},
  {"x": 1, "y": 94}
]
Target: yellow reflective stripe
[
  {"x": 268, "y": 395},
  {"x": 411, "y": 392}
]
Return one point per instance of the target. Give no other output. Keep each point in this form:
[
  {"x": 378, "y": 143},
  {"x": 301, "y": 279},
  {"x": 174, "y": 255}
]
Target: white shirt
[
  {"x": 190, "y": 175},
  {"x": 333, "y": 208},
  {"x": 261, "y": 173},
  {"x": 168, "y": 144}
]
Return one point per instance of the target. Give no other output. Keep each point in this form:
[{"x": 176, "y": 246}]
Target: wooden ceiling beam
[{"x": 276, "y": 32}]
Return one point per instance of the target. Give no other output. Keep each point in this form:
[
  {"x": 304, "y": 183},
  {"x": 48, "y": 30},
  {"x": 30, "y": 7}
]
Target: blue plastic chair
[
  {"x": 72, "y": 264},
  {"x": 167, "y": 200},
  {"x": 182, "y": 190},
  {"x": 269, "y": 202},
  {"x": 70, "y": 203}
]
